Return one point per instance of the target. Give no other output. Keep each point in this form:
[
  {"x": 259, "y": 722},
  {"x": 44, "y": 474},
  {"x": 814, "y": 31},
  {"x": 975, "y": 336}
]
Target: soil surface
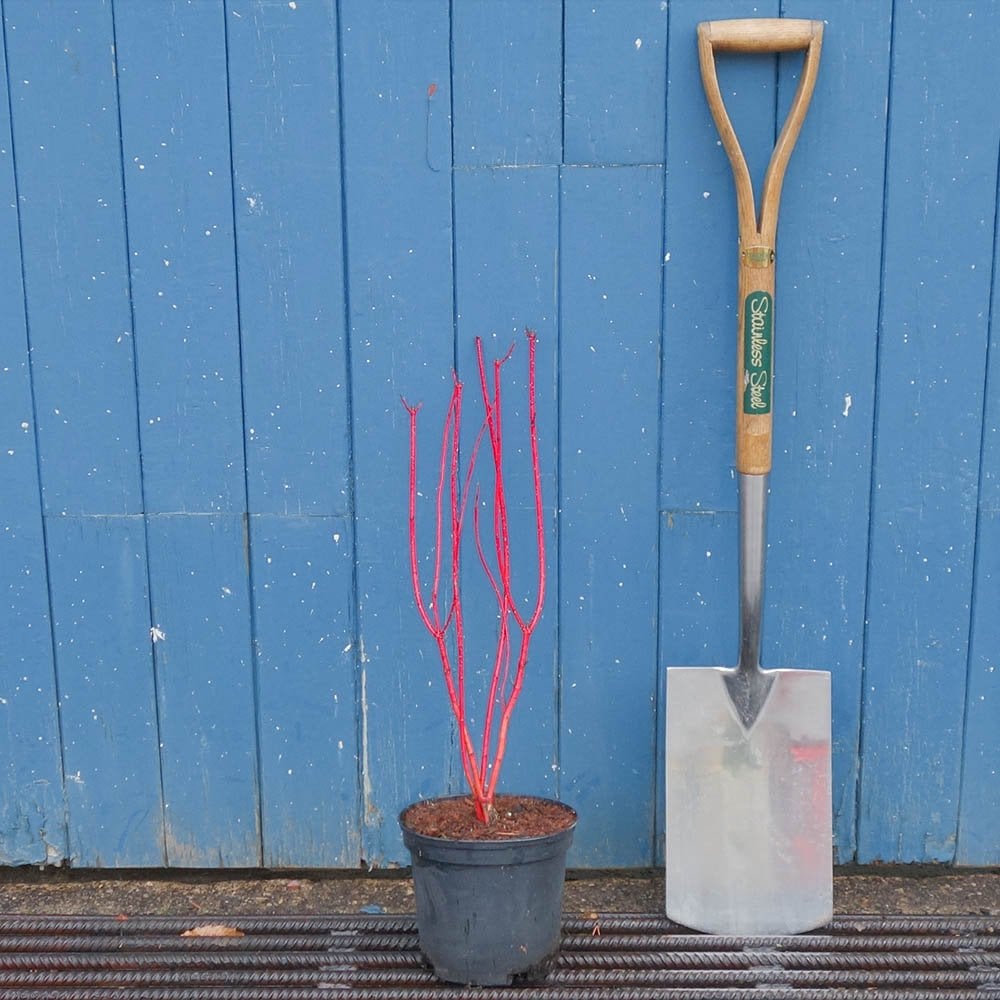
[{"x": 513, "y": 816}]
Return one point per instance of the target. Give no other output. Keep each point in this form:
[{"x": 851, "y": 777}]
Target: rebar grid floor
[{"x": 602, "y": 957}]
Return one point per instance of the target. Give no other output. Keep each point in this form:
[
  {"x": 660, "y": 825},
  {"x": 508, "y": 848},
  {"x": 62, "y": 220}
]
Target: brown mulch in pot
[{"x": 513, "y": 816}]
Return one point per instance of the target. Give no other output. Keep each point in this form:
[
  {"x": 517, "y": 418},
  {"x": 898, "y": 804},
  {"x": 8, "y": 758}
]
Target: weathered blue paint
[
  {"x": 938, "y": 252},
  {"x": 979, "y": 813},
  {"x": 237, "y": 233},
  {"x": 507, "y": 87},
  {"x": 303, "y": 576},
  {"x": 285, "y": 108},
  {"x": 614, "y": 74},
  {"x": 178, "y": 186},
  {"x": 205, "y": 689},
  {"x": 290, "y": 237},
  {"x": 71, "y": 207},
  {"x": 612, "y": 232},
  {"x": 31, "y": 798},
  {"x": 107, "y": 701}
]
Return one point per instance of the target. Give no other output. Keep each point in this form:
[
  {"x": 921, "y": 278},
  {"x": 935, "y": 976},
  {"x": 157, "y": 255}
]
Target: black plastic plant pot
[{"x": 488, "y": 910}]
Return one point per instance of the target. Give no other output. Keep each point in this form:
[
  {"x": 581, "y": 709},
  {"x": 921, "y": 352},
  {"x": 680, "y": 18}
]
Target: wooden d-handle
[
  {"x": 755, "y": 338},
  {"x": 760, "y": 34}
]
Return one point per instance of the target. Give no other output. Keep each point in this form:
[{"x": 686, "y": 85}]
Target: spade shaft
[{"x": 748, "y": 685}]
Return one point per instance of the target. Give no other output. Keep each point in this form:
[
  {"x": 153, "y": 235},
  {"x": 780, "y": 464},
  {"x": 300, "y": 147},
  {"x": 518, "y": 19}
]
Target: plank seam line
[
  {"x": 154, "y": 654},
  {"x": 873, "y": 480},
  {"x": 670, "y": 512},
  {"x": 981, "y": 513},
  {"x": 244, "y": 515},
  {"x": 658, "y": 825},
  {"x": 154, "y": 514},
  {"x": 352, "y": 430},
  {"x": 562, "y": 85}
]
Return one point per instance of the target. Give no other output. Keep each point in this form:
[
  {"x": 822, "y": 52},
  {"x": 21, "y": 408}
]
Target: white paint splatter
[
  {"x": 847, "y": 404},
  {"x": 157, "y": 634},
  {"x": 638, "y": 44}
]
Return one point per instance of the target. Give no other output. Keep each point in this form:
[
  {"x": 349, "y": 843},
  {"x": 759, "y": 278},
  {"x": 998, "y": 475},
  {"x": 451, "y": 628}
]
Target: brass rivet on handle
[{"x": 758, "y": 256}]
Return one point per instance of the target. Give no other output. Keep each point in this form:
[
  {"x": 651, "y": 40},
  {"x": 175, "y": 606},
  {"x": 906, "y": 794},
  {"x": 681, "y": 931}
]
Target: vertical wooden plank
[
  {"x": 979, "y": 805},
  {"x": 66, "y": 142},
  {"x": 506, "y": 238},
  {"x": 397, "y": 143},
  {"x": 507, "y": 82},
  {"x": 108, "y": 704},
  {"x": 697, "y": 478},
  {"x": 614, "y": 79},
  {"x": 178, "y": 181},
  {"x": 176, "y": 148},
  {"x": 64, "y": 111},
  {"x": 303, "y": 573},
  {"x": 285, "y": 106},
  {"x": 611, "y": 238},
  {"x": 32, "y": 811},
  {"x": 828, "y": 287},
  {"x": 939, "y": 244},
  {"x": 200, "y": 609}
]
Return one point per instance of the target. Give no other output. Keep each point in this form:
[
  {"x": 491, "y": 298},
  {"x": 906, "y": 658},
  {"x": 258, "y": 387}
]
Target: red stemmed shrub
[{"x": 441, "y": 607}]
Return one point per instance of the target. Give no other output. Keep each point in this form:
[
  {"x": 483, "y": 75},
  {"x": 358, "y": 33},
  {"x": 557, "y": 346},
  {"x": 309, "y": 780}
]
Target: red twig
[{"x": 481, "y": 772}]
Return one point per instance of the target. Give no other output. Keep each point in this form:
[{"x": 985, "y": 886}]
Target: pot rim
[{"x": 486, "y": 844}]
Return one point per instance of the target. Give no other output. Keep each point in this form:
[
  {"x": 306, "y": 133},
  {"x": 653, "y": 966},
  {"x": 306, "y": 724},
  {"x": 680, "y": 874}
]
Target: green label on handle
[{"x": 758, "y": 337}]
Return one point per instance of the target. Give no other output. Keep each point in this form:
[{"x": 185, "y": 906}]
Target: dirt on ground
[{"x": 62, "y": 892}]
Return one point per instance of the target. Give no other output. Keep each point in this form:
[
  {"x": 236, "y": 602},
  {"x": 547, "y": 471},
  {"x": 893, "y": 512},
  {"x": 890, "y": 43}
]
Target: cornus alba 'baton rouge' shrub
[{"x": 441, "y": 608}]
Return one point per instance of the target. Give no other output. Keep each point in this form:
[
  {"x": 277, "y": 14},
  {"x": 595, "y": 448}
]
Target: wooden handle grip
[
  {"x": 754, "y": 364},
  {"x": 760, "y": 34},
  {"x": 755, "y": 359}
]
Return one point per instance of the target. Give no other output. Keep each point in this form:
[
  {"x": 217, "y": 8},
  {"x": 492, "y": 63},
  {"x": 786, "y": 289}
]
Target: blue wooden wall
[{"x": 233, "y": 234}]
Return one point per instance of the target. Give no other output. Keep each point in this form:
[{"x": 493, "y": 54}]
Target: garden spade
[{"x": 748, "y": 813}]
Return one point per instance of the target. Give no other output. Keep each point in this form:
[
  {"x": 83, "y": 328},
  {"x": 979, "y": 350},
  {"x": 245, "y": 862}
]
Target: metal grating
[{"x": 603, "y": 958}]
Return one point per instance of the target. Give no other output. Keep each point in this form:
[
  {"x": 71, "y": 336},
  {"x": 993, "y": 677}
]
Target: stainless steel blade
[{"x": 748, "y": 815}]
